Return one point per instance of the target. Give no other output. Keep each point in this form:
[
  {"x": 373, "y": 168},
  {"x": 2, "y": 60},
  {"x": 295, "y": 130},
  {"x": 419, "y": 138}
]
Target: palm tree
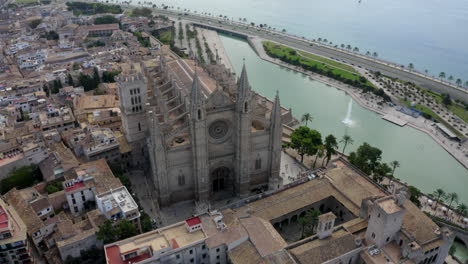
[
  {"x": 395, "y": 164},
  {"x": 426, "y": 71},
  {"x": 450, "y": 78},
  {"x": 438, "y": 194},
  {"x": 375, "y": 54},
  {"x": 368, "y": 53},
  {"x": 458, "y": 82},
  {"x": 411, "y": 66},
  {"x": 348, "y": 47},
  {"x": 306, "y": 118},
  {"x": 462, "y": 209},
  {"x": 346, "y": 140},
  {"x": 356, "y": 49},
  {"x": 442, "y": 75},
  {"x": 320, "y": 153},
  {"x": 452, "y": 197},
  {"x": 342, "y": 46}
]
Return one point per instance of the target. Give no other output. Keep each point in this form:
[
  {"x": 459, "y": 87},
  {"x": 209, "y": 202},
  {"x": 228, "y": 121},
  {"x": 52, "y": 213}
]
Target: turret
[
  {"x": 199, "y": 140},
  {"x": 276, "y": 128},
  {"x": 243, "y": 119},
  {"x": 197, "y": 100},
  {"x": 243, "y": 92}
]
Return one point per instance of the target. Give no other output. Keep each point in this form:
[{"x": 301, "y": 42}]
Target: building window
[
  {"x": 181, "y": 180},
  {"x": 191, "y": 251},
  {"x": 217, "y": 250},
  {"x": 177, "y": 256},
  {"x": 246, "y": 108},
  {"x": 204, "y": 256},
  {"x": 373, "y": 235},
  {"x": 191, "y": 260},
  {"x": 258, "y": 163},
  {"x": 388, "y": 239},
  {"x": 203, "y": 247},
  {"x": 139, "y": 126},
  {"x": 199, "y": 114}
]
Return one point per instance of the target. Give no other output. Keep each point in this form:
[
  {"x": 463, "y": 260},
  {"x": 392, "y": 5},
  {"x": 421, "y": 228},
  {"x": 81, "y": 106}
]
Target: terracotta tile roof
[{"x": 321, "y": 250}]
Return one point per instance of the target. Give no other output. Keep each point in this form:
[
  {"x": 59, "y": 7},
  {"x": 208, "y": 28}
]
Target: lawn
[
  {"x": 166, "y": 36},
  {"x": 328, "y": 61},
  {"x": 25, "y": 2},
  {"x": 299, "y": 58},
  {"x": 456, "y": 108}
]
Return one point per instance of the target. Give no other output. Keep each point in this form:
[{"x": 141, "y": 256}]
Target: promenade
[{"x": 366, "y": 62}]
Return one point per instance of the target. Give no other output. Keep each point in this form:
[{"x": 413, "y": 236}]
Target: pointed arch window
[
  {"x": 246, "y": 107},
  {"x": 258, "y": 163},
  {"x": 199, "y": 114}
]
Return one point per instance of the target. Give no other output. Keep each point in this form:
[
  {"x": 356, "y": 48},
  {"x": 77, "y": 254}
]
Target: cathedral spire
[
  {"x": 244, "y": 86},
  {"x": 276, "y": 115},
  {"x": 196, "y": 95}
]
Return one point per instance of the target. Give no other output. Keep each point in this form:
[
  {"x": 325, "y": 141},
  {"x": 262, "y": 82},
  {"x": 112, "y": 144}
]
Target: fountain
[{"x": 347, "y": 121}]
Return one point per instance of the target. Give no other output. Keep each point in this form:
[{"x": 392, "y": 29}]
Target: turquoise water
[
  {"x": 461, "y": 251},
  {"x": 432, "y": 34},
  {"x": 423, "y": 162}
]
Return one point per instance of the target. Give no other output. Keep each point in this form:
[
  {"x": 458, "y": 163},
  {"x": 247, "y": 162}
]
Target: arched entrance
[{"x": 219, "y": 178}]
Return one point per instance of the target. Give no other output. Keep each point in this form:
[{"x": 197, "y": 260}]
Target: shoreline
[{"x": 256, "y": 45}]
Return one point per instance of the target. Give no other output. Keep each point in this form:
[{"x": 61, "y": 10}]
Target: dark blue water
[{"x": 431, "y": 34}]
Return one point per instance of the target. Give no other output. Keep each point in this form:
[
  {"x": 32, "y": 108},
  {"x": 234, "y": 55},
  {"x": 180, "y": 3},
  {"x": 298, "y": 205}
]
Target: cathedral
[{"x": 206, "y": 133}]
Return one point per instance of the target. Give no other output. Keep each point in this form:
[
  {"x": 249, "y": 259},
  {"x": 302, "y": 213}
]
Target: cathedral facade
[{"x": 208, "y": 136}]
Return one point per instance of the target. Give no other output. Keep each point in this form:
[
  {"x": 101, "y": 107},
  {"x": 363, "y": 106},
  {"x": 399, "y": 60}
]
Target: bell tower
[
  {"x": 199, "y": 140},
  {"x": 243, "y": 120}
]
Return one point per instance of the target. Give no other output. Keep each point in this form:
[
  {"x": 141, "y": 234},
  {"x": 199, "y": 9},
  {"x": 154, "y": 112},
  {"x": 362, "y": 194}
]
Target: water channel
[{"x": 424, "y": 163}]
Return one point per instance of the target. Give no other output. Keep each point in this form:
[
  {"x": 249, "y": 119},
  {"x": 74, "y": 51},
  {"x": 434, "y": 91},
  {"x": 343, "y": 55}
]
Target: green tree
[
  {"x": 306, "y": 118},
  {"x": 146, "y": 224},
  {"x": 33, "y": 24},
  {"x": 366, "y": 158},
  {"x": 319, "y": 153},
  {"x": 375, "y": 54},
  {"x": 411, "y": 66},
  {"x": 107, "y": 19},
  {"x": 442, "y": 75},
  {"x": 309, "y": 222},
  {"x": 462, "y": 209},
  {"x": 415, "y": 193},
  {"x": 451, "y": 197},
  {"x": 459, "y": 82},
  {"x": 126, "y": 229},
  {"x": 381, "y": 171},
  {"x": 96, "y": 77},
  {"x": 450, "y": 78},
  {"x": 70, "y": 80},
  {"x": 76, "y": 66},
  {"x": 395, "y": 164},
  {"x": 439, "y": 195},
  {"x": 107, "y": 233},
  {"x": 346, "y": 139},
  {"x": 122, "y": 230},
  {"x": 21, "y": 177},
  {"x": 305, "y": 141},
  {"x": 331, "y": 145},
  {"x": 446, "y": 100}
]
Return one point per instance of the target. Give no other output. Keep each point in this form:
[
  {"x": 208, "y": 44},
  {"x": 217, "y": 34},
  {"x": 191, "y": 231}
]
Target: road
[{"x": 353, "y": 59}]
